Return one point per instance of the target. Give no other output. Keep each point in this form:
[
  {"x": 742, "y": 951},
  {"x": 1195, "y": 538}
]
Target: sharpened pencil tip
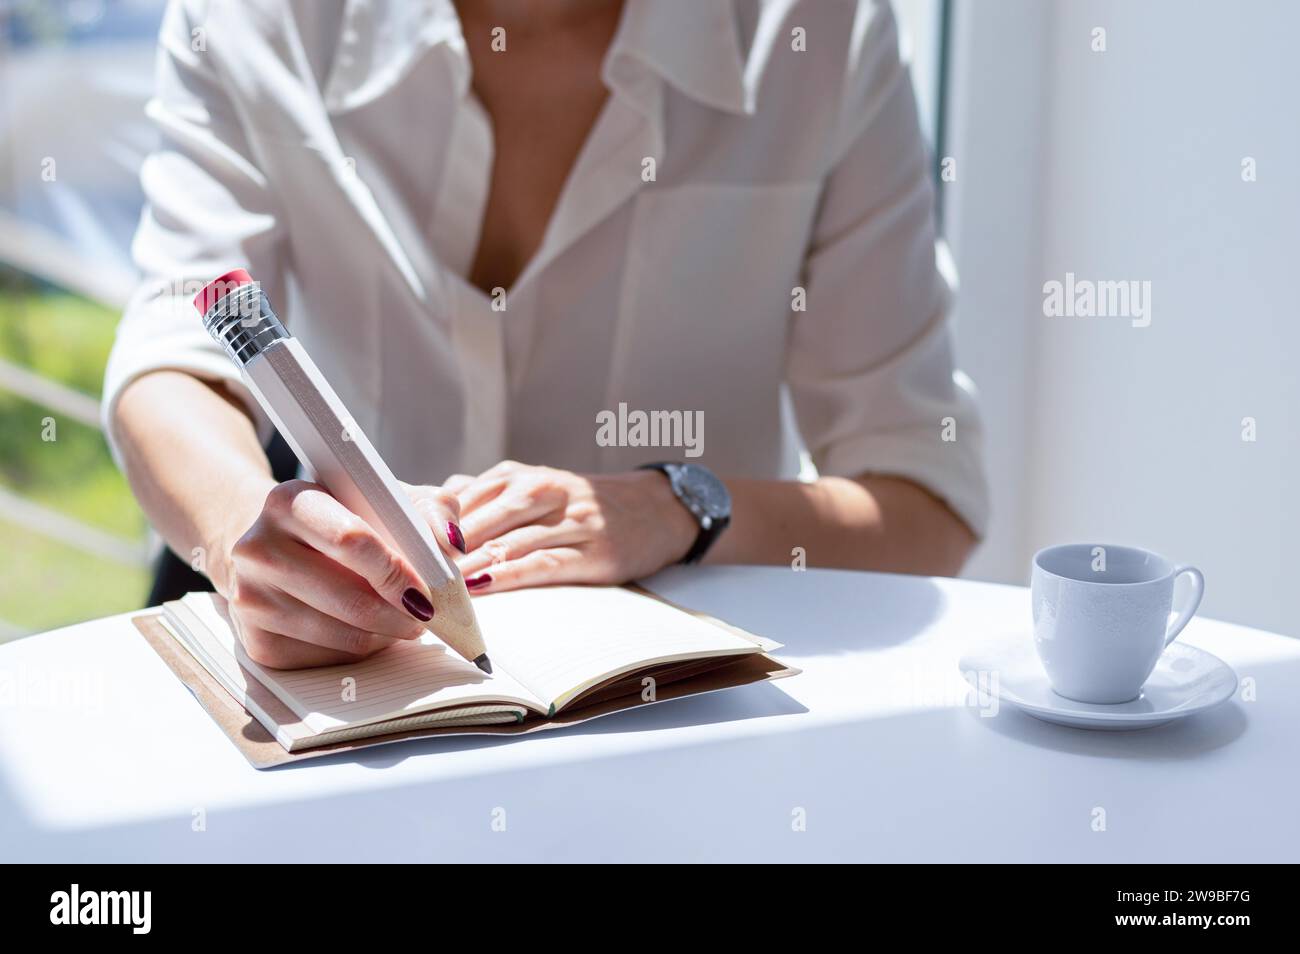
[{"x": 484, "y": 663}]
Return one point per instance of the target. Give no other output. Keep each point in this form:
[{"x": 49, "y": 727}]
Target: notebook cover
[{"x": 262, "y": 750}]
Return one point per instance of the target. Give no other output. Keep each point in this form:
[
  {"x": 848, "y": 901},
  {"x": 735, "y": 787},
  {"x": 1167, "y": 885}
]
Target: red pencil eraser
[{"x": 218, "y": 288}]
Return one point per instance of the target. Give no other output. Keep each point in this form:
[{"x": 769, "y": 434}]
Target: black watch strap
[
  {"x": 703, "y": 541},
  {"x": 712, "y": 517}
]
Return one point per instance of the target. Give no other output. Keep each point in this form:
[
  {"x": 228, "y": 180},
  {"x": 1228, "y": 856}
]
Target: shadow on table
[
  {"x": 814, "y": 614},
  {"x": 732, "y": 705},
  {"x": 1187, "y": 738},
  {"x": 1184, "y": 739}
]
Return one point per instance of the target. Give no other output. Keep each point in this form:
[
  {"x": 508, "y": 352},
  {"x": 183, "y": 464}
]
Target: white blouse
[{"x": 748, "y": 230}]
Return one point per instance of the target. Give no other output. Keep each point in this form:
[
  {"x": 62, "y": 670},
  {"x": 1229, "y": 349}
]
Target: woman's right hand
[{"x": 312, "y": 584}]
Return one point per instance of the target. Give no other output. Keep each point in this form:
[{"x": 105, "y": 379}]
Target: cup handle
[{"x": 1187, "y": 612}]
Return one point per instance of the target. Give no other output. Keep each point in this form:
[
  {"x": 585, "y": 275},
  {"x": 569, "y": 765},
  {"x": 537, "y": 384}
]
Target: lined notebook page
[
  {"x": 559, "y": 640},
  {"x": 406, "y": 678}
]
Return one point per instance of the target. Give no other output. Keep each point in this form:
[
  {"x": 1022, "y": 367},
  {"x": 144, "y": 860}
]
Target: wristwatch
[{"x": 704, "y": 495}]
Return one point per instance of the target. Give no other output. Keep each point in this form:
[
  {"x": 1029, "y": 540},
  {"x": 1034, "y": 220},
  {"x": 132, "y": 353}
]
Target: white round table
[{"x": 876, "y": 752}]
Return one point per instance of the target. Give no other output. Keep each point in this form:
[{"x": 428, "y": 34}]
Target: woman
[{"x": 497, "y": 226}]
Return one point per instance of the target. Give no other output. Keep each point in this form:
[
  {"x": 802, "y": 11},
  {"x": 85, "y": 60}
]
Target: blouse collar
[{"x": 693, "y": 45}]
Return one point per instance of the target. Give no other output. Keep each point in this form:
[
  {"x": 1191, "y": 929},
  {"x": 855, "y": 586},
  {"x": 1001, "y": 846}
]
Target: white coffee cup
[{"x": 1101, "y": 617}]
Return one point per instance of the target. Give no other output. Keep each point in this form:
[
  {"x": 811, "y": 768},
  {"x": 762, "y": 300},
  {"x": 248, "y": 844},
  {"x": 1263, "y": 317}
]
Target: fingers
[
  {"x": 457, "y": 482},
  {"x": 517, "y": 544},
  {"x": 283, "y": 652},
  {"x": 440, "y": 509},
  {"x": 477, "y": 491},
  {"x": 322, "y": 585},
  {"x": 290, "y": 621},
  {"x": 538, "y": 568},
  {"x": 481, "y": 491},
  {"x": 324, "y": 524},
  {"x": 524, "y": 503},
  {"x": 441, "y": 499},
  {"x": 516, "y": 523}
]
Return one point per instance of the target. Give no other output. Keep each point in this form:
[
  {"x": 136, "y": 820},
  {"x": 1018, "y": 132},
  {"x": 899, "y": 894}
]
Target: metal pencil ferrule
[{"x": 243, "y": 323}]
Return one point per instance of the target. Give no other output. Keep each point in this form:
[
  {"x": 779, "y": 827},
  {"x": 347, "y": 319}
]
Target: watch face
[{"x": 704, "y": 493}]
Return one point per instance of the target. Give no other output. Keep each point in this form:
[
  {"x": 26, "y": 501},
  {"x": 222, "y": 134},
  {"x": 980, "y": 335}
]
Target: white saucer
[{"x": 1186, "y": 681}]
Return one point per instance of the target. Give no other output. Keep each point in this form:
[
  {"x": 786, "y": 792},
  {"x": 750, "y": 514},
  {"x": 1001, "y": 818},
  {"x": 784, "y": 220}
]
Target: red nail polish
[
  {"x": 478, "y": 582},
  {"x": 456, "y": 537},
  {"x": 418, "y": 605}
]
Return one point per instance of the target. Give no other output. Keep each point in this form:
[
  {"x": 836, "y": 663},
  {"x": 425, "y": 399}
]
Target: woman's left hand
[{"x": 531, "y": 526}]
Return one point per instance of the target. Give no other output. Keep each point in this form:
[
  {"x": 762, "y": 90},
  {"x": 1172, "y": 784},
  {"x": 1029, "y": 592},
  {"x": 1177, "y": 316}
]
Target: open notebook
[{"x": 555, "y": 651}]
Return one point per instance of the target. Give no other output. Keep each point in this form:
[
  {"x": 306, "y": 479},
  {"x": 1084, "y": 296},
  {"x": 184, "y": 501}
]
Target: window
[{"x": 73, "y": 543}]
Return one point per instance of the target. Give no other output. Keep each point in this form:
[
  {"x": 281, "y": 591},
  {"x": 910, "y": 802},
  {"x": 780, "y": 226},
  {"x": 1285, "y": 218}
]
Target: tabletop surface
[{"x": 878, "y": 751}]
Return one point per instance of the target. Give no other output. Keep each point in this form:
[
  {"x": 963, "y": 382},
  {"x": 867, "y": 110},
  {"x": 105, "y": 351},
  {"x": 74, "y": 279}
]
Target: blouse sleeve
[
  {"x": 208, "y": 209},
  {"x": 869, "y": 365}
]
